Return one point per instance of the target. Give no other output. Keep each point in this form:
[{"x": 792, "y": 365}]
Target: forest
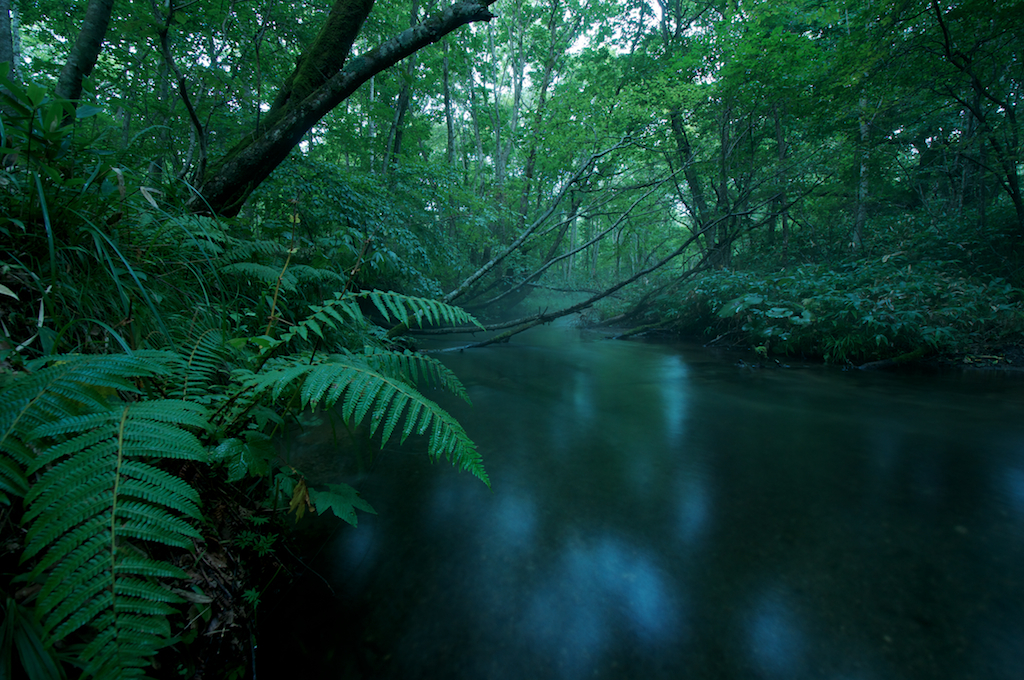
[{"x": 220, "y": 215}]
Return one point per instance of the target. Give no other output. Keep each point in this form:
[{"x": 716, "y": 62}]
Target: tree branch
[
  {"x": 480, "y": 273},
  {"x": 234, "y": 179}
]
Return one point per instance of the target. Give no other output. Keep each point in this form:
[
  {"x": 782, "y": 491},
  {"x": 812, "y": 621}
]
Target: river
[{"x": 660, "y": 510}]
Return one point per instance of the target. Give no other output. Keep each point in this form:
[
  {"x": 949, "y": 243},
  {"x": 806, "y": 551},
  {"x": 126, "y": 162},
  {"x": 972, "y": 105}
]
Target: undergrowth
[
  {"x": 862, "y": 311},
  {"x": 148, "y": 358}
]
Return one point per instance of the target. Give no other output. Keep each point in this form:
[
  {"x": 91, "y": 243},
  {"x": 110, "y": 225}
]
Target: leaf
[
  {"x": 4, "y": 290},
  {"x": 342, "y": 500},
  {"x": 737, "y": 305},
  {"x": 87, "y": 111},
  {"x": 300, "y": 499}
]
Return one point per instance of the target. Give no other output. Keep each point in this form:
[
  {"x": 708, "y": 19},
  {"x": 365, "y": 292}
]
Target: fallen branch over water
[{"x": 916, "y": 355}]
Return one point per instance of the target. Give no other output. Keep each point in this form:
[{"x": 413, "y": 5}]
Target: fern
[
  {"x": 98, "y": 497},
  {"x": 363, "y": 394},
  {"x": 99, "y": 492},
  {"x": 413, "y": 311},
  {"x": 82, "y": 440},
  {"x": 413, "y": 368},
  {"x": 208, "y": 357},
  {"x": 303, "y": 272},
  {"x": 58, "y": 387},
  {"x": 261, "y": 273},
  {"x": 379, "y": 385},
  {"x": 244, "y": 249},
  {"x": 344, "y": 310}
]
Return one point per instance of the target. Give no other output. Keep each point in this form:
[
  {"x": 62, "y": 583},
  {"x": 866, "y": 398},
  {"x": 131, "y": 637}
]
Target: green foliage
[
  {"x": 95, "y": 493},
  {"x": 361, "y": 393},
  {"x": 21, "y": 632},
  {"x": 375, "y": 384},
  {"x": 864, "y": 311},
  {"x": 98, "y": 492},
  {"x": 94, "y": 445}
]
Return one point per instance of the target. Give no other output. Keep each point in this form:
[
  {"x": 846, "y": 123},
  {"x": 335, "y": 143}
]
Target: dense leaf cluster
[{"x": 860, "y": 312}]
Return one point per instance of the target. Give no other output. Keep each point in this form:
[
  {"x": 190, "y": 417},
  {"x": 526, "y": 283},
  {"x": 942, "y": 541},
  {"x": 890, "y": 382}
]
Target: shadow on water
[{"x": 659, "y": 512}]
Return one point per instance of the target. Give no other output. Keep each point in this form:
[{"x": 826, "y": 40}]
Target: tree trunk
[
  {"x": 686, "y": 159},
  {"x": 1006, "y": 147},
  {"x": 570, "y": 262},
  {"x": 474, "y": 114},
  {"x": 7, "y": 37},
  {"x": 228, "y": 184},
  {"x": 85, "y": 51},
  {"x": 721, "y": 255},
  {"x": 394, "y": 143},
  {"x": 371, "y": 125},
  {"x": 324, "y": 58},
  {"x": 449, "y": 115},
  {"x": 781, "y": 150},
  {"x": 554, "y": 44},
  {"x": 857, "y": 236}
]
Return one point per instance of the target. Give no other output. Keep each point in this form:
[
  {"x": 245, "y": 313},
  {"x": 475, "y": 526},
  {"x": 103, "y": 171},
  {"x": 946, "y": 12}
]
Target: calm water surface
[{"x": 658, "y": 511}]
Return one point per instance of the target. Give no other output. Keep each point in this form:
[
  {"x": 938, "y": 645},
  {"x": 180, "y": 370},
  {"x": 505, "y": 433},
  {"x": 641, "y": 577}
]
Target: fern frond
[
  {"x": 208, "y": 234},
  {"x": 333, "y": 314},
  {"x": 303, "y": 272},
  {"x": 13, "y": 462},
  {"x": 414, "y": 311},
  {"x": 362, "y": 391},
  {"x": 209, "y": 356},
  {"x": 276, "y": 381},
  {"x": 98, "y": 491},
  {"x": 71, "y": 383},
  {"x": 261, "y": 273},
  {"x": 244, "y": 249},
  {"x": 413, "y": 367},
  {"x": 59, "y": 387}
]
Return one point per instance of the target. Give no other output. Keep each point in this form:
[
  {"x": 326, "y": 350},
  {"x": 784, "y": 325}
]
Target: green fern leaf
[
  {"x": 261, "y": 273},
  {"x": 97, "y": 492},
  {"x": 210, "y": 355},
  {"x": 412, "y": 367},
  {"x": 414, "y": 310}
]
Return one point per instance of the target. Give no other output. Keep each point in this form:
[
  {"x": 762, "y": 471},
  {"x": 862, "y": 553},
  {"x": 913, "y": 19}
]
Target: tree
[
  {"x": 323, "y": 78},
  {"x": 85, "y": 51},
  {"x": 984, "y": 50},
  {"x": 319, "y": 83}
]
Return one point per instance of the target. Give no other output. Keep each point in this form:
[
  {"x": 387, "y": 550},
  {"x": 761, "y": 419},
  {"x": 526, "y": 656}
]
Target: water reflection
[
  {"x": 693, "y": 509},
  {"x": 1013, "y": 488},
  {"x": 596, "y": 594},
  {"x": 674, "y": 388},
  {"x": 774, "y": 636},
  {"x": 658, "y": 512}
]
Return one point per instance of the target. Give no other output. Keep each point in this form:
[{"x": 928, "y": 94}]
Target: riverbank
[{"x": 883, "y": 313}]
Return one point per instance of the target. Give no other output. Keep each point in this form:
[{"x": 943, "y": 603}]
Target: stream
[{"x": 661, "y": 510}]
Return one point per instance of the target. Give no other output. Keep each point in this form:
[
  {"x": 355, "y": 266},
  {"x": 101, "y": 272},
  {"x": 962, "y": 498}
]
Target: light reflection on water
[{"x": 659, "y": 512}]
